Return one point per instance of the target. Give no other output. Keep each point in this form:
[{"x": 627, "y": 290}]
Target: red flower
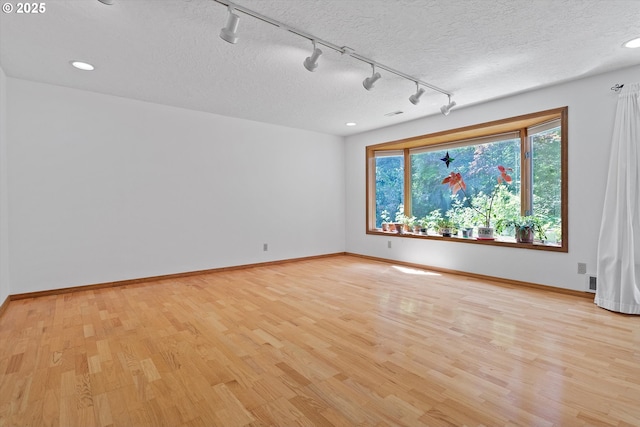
[
  {"x": 456, "y": 182},
  {"x": 503, "y": 175}
]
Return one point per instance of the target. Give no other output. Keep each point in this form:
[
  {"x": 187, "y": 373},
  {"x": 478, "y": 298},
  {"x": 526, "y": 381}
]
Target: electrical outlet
[
  {"x": 389, "y": 244},
  {"x": 582, "y": 268},
  {"x": 265, "y": 247}
]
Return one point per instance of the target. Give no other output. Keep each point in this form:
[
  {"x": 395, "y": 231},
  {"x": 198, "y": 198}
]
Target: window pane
[
  {"x": 478, "y": 166},
  {"x": 389, "y": 186},
  {"x": 547, "y": 180}
]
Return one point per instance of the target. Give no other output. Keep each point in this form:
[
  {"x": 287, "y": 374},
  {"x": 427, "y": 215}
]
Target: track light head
[
  {"x": 415, "y": 98},
  {"x": 446, "y": 109},
  {"x": 370, "y": 81},
  {"x": 311, "y": 62},
  {"x": 228, "y": 33}
]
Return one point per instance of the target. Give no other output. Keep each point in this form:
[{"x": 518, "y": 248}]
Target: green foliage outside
[
  {"x": 389, "y": 185},
  {"x": 547, "y": 181},
  {"x": 478, "y": 166}
]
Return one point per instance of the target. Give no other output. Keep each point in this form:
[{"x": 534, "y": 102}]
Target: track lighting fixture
[
  {"x": 228, "y": 33},
  {"x": 446, "y": 109},
  {"x": 311, "y": 62},
  {"x": 415, "y": 98},
  {"x": 370, "y": 81}
]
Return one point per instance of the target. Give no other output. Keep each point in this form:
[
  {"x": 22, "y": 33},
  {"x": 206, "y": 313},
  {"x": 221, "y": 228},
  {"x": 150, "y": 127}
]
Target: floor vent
[{"x": 592, "y": 283}]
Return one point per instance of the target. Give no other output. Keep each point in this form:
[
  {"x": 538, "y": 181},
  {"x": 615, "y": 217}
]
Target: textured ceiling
[{"x": 169, "y": 52}]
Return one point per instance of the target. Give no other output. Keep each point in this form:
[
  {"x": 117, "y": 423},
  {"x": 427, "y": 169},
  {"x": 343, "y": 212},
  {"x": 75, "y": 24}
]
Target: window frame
[{"x": 512, "y": 124}]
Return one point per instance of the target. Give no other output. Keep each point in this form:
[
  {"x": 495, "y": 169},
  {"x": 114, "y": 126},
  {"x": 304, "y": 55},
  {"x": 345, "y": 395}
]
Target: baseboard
[
  {"x": 492, "y": 279},
  {"x": 4, "y": 305},
  {"x": 162, "y": 277}
]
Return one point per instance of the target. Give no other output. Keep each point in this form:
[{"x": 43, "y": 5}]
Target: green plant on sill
[
  {"x": 423, "y": 222},
  {"x": 385, "y": 217},
  {"x": 409, "y": 221},
  {"x": 463, "y": 216},
  {"x": 446, "y": 227},
  {"x": 403, "y": 219},
  {"x": 445, "y": 223},
  {"x": 521, "y": 224},
  {"x": 432, "y": 219}
]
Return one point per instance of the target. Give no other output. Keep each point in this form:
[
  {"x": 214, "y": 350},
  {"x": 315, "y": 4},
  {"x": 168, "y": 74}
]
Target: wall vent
[{"x": 592, "y": 283}]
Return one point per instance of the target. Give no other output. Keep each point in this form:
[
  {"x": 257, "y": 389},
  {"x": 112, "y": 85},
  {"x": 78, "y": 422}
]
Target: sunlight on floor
[{"x": 408, "y": 270}]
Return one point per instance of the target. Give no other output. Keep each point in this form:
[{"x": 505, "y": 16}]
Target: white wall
[
  {"x": 591, "y": 114},
  {"x": 105, "y": 189},
  {"x": 4, "y": 226}
]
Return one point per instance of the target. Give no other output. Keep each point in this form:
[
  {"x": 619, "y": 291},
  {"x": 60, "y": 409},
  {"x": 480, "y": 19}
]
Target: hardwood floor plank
[{"x": 333, "y": 341}]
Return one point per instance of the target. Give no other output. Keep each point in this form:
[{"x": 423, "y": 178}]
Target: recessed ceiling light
[
  {"x": 350, "y": 124},
  {"x": 109, "y": 2},
  {"x": 84, "y": 66},
  {"x": 633, "y": 43}
]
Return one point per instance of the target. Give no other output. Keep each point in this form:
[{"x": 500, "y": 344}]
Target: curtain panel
[{"x": 618, "y": 268}]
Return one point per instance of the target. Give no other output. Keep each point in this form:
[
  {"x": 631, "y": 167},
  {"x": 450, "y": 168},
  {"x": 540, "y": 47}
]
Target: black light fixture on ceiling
[{"x": 228, "y": 34}]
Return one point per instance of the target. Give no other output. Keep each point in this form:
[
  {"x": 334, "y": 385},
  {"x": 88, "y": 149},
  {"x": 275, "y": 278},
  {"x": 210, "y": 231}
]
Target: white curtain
[{"x": 618, "y": 284}]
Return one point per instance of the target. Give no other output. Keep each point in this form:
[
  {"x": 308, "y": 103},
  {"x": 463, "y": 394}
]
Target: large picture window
[{"x": 502, "y": 178}]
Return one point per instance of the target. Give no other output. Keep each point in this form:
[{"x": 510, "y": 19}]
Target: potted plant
[
  {"x": 456, "y": 183},
  {"x": 386, "y": 219},
  {"x": 525, "y": 227},
  {"x": 403, "y": 222},
  {"x": 540, "y": 229},
  {"x": 463, "y": 216},
  {"x": 432, "y": 220},
  {"x": 409, "y": 223},
  {"x": 423, "y": 225},
  {"x": 445, "y": 227},
  {"x": 397, "y": 223}
]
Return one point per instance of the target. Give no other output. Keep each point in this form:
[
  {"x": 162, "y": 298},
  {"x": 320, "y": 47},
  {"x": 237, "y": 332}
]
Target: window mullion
[
  {"x": 407, "y": 182},
  {"x": 526, "y": 190}
]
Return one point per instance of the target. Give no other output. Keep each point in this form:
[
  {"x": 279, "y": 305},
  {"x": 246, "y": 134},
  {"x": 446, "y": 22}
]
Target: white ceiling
[{"x": 169, "y": 52}]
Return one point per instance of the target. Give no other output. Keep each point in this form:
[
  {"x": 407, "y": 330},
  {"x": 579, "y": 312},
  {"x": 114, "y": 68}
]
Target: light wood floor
[{"x": 337, "y": 341}]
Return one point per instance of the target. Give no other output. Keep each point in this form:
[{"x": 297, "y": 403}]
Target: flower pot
[
  {"x": 467, "y": 232},
  {"x": 524, "y": 235},
  {"x": 423, "y": 231},
  {"x": 446, "y": 232},
  {"x": 416, "y": 229},
  {"x": 385, "y": 226},
  {"x": 485, "y": 233},
  {"x": 399, "y": 227}
]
